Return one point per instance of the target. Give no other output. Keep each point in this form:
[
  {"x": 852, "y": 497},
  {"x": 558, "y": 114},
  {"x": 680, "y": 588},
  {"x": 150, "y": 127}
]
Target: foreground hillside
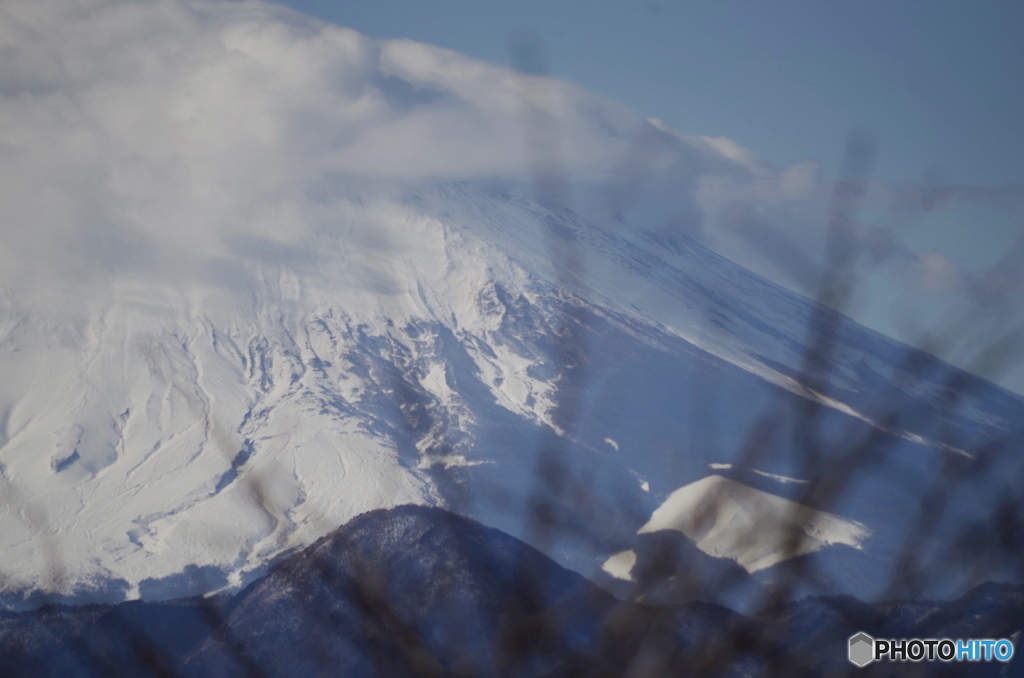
[{"x": 416, "y": 591}]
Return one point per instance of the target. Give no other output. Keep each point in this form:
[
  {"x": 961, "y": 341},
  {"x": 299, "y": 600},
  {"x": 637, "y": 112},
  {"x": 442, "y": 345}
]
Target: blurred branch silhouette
[{"x": 648, "y": 633}]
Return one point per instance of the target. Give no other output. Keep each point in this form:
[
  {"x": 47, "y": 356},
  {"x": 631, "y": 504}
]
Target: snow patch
[
  {"x": 644, "y": 485},
  {"x": 727, "y": 519},
  {"x": 449, "y": 461},
  {"x": 781, "y": 479},
  {"x": 621, "y": 565},
  {"x": 765, "y": 474}
]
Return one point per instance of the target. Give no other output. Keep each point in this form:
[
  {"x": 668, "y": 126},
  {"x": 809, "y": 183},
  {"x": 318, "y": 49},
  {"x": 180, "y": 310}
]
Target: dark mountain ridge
[{"x": 418, "y": 591}]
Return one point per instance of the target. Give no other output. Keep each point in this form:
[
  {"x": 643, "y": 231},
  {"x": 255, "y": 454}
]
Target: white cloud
[
  {"x": 145, "y": 137},
  {"x": 161, "y": 128}
]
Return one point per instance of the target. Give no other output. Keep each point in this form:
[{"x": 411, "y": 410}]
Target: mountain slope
[
  {"x": 280, "y": 274},
  {"x": 423, "y": 352}
]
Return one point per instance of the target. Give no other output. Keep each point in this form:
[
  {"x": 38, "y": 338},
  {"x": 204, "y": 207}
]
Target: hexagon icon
[{"x": 862, "y": 649}]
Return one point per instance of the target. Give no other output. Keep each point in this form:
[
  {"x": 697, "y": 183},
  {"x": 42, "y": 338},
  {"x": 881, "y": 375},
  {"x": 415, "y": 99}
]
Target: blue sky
[{"x": 938, "y": 84}]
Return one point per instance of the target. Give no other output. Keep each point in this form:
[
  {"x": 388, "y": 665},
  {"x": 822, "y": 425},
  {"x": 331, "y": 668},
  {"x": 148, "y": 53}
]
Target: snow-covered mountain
[
  {"x": 225, "y": 354},
  {"x": 417, "y": 352}
]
